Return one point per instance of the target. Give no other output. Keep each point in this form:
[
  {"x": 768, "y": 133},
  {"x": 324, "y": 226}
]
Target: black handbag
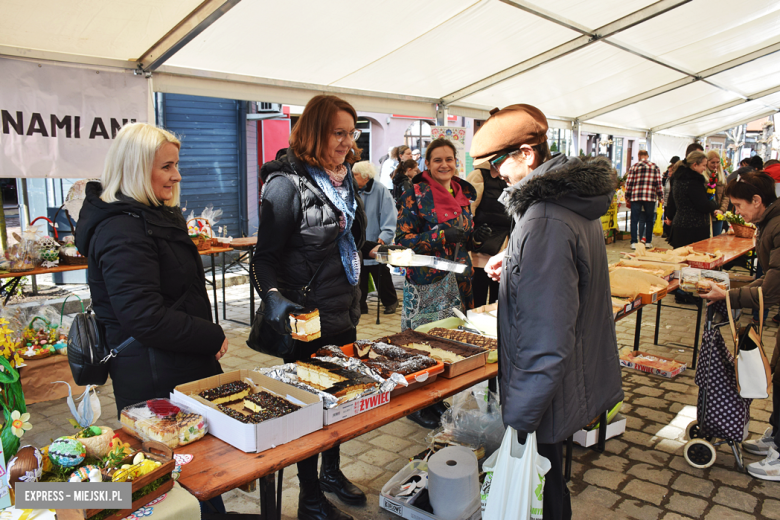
[
  {"x": 263, "y": 338},
  {"x": 88, "y": 353}
]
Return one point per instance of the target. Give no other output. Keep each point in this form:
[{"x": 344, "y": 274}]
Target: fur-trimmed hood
[{"x": 585, "y": 187}]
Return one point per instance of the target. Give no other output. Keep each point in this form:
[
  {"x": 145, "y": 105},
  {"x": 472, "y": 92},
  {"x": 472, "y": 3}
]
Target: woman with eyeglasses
[{"x": 312, "y": 227}]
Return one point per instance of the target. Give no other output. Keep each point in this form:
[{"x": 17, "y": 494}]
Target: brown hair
[
  {"x": 693, "y": 147},
  {"x": 311, "y": 134},
  {"x": 643, "y": 153},
  {"x": 398, "y": 151},
  {"x": 404, "y": 167},
  {"x": 750, "y": 184},
  {"x": 542, "y": 153},
  {"x": 438, "y": 143}
]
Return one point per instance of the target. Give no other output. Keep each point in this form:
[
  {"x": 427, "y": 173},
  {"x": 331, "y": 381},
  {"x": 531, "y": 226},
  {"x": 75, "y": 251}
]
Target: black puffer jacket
[
  {"x": 689, "y": 208},
  {"x": 297, "y": 233},
  {"x": 141, "y": 264}
]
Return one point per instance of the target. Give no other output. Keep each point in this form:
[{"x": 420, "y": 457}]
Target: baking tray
[
  {"x": 432, "y": 262},
  {"x": 415, "y": 380},
  {"x": 450, "y": 369}
]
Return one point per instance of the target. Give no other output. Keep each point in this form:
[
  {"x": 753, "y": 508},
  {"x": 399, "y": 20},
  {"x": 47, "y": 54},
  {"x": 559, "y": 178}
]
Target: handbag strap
[
  {"x": 760, "y": 313},
  {"x": 731, "y": 325},
  {"x": 115, "y": 351},
  {"x": 760, "y": 320},
  {"x": 307, "y": 287}
]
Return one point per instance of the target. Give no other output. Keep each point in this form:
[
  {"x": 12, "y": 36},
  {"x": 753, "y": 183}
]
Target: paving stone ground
[{"x": 642, "y": 474}]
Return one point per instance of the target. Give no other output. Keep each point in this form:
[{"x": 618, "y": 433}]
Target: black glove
[
  {"x": 521, "y": 437},
  {"x": 385, "y": 248},
  {"x": 454, "y": 235},
  {"x": 481, "y": 233},
  {"x": 277, "y": 311}
]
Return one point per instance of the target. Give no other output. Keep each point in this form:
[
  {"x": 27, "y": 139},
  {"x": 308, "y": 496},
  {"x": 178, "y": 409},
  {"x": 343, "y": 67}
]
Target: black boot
[
  {"x": 312, "y": 504},
  {"x": 334, "y": 481},
  {"x": 425, "y": 418}
]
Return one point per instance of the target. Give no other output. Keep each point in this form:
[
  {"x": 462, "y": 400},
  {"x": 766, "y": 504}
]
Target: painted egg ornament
[
  {"x": 86, "y": 473},
  {"x": 26, "y": 466},
  {"x": 67, "y": 452}
]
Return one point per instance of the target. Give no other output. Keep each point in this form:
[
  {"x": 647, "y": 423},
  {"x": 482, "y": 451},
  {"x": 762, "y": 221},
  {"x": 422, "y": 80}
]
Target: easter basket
[
  {"x": 200, "y": 232},
  {"x": 743, "y": 231},
  {"x": 45, "y": 338},
  {"x": 69, "y": 255},
  {"x": 155, "y": 451},
  {"x": 48, "y": 247}
]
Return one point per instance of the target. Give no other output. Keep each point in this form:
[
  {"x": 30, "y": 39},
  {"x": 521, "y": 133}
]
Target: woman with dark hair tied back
[
  {"x": 667, "y": 185},
  {"x": 312, "y": 221},
  {"x": 402, "y": 178},
  {"x": 753, "y": 197},
  {"x": 690, "y": 206}
]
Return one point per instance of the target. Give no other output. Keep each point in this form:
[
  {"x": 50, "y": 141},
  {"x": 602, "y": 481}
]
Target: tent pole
[{"x": 575, "y": 137}]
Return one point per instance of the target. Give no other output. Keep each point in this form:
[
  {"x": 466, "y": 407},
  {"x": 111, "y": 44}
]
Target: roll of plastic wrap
[{"x": 453, "y": 482}]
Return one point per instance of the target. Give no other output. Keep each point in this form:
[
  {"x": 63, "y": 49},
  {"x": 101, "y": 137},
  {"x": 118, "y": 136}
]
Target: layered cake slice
[
  {"x": 331, "y": 351},
  {"x": 264, "y": 401},
  {"x": 305, "y": 326},
  {"x": 465, "y": 337},
  {"x": 333, "y": 378},
  {"x": 227, "y": 393},
  {"x": 191, "y": 428},
  {"x": 444, "y": 350}
]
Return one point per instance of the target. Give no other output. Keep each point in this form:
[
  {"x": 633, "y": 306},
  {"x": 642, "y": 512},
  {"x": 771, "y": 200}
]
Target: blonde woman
[
  {"x": 145, "y": 274},
  {"x": 718, "y": 178},
  {"x": 690, "y": 206}
]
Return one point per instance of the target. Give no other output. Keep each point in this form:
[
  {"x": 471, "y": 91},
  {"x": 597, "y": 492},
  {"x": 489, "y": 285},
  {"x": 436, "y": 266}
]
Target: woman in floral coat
[{"x": 435, "y": 219}]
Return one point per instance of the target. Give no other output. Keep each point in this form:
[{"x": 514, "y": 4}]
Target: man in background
[{"x": 643, "y": 189}]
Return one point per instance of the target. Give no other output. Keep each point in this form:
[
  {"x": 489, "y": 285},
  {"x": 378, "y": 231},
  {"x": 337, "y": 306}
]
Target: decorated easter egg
[
  {"x": 82, "y": 474},
  {"x": 46, "y": 459},
  {"x": 26, "y": 466},
  {"x": 67, "y": 452}
]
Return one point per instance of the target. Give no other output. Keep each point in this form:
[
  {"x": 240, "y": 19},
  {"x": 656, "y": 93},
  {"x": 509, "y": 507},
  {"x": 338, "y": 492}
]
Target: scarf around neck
[
  {"x": 447, "y": 205},
  {"x": 343, "y": 197}
]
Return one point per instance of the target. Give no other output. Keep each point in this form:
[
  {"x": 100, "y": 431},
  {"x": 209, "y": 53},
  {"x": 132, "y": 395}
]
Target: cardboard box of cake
[
  {"x": 250, "y": 411},
  {"x": 630, "y": 283}
]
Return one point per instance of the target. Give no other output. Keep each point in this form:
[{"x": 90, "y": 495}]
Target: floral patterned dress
[{"x": 430, "y": 294}]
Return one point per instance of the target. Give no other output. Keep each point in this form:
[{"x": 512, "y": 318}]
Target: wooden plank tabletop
[
  {"x": 218, "y": 467},
  {"x": 40, "y": 270},
  {"x": 215, "y": 250},
  {"x": 243, "y": 243},
  {"x": 730, "y": 245}
]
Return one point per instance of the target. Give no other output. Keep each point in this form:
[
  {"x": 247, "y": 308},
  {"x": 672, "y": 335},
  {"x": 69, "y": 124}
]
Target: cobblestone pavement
[{"x": 642, "y": 474}]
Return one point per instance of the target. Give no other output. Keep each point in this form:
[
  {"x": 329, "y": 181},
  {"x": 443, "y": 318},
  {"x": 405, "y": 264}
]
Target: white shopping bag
[{"x": 518, "y": 480}]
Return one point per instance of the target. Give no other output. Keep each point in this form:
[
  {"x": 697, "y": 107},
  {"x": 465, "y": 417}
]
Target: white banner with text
[{"x": 59, "y": 121}]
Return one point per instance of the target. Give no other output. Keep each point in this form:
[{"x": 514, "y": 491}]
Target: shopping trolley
[{"x": 722, "y": 415}]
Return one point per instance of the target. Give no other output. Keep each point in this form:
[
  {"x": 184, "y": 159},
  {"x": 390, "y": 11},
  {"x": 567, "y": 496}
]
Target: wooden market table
[
  {"x": 212, "y": 252},
  {"x": 732, "y": 247},
  {"x": 217, "y": 467},
  {"x": 15, "y": 277}
]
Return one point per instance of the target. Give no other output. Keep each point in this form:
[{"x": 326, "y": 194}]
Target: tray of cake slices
[
  {"x": 251, "y": 411},
  {"x": 464, "y": 337},
  {"x": 458, "y": 358},
  {"x": 162, "y": 421},
  {"x": 417, "y": 367},
  {"x": 408, "y": 258},
  {"x": 346, "y": 386}
]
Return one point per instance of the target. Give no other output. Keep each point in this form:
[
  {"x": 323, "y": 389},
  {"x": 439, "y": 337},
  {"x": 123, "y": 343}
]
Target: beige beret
[{"x": 508, "y": 128}]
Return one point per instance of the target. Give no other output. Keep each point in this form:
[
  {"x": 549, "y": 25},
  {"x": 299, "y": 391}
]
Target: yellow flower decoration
[{"x": 19, "y": 423}]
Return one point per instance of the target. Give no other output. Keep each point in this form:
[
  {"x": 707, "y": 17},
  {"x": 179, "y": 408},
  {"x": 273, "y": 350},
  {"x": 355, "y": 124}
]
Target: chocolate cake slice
[{"x": 227, "y": 393}]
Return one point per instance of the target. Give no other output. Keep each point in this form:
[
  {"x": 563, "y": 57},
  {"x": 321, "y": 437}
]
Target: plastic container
[
  {"x": 415, "y": 380},
  {"x": 426, "y": 261},
  {"x": 163, "y": 421}
]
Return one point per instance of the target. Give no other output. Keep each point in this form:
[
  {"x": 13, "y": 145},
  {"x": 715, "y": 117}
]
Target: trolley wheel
[
  {"x": 692, "y": 431},
  {"x": 699, "y": 453}
]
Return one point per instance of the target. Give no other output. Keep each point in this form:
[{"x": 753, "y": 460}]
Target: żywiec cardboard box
[
  {"x": 351, "y": 408},
  {"x": 253, "y": 437}
]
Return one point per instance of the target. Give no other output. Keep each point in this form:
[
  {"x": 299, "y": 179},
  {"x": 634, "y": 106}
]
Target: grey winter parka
[{"x": 558, "y": 358}]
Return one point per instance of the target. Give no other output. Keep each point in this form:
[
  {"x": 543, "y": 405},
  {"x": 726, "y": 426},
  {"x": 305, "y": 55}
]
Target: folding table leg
[
  {"x": 268, "y": 510},
  {"x": 657, "y": 320},
  {"x": 378, "y": 301},
  {"x": 224, "y": 299},
  {"x": 214, "y": 288},
  {"x": 638, "y": 329},
  {"x": 567, "y": 464},
  {"x": 602, "y": 444},
  {"x": 279, "y": 494},
  {"x": 251, "y": 290}
]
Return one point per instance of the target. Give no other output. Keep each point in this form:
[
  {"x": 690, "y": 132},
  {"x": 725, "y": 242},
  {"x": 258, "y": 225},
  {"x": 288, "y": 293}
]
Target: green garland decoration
[{"x": 11, "y": 398}]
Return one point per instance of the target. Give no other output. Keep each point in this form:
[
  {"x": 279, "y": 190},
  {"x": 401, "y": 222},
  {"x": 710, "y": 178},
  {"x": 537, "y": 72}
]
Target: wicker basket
[
  {"x": 204, "y": 239},
  {"x": 65, "y": 259},
  {"x": 201, "y": 242},
  {"x": 743, "y": 231}
]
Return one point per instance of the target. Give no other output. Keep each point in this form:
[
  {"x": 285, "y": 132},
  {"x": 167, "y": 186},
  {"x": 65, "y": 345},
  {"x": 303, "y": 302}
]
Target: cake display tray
[
  {"x": 432, "y": 262},
  {"x": 450, "y": 369}
]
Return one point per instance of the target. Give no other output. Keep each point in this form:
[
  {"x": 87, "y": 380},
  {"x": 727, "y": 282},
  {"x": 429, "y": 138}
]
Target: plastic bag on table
[
  {"x": 25, "y": 254},
  {"x": 473, "y": 420},
  {"x": 517, "y": 485}
]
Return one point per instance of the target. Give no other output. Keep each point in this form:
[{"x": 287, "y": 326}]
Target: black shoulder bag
[
  {"x": 263, "y": 338},
  {"x": 88, "y": 353}
]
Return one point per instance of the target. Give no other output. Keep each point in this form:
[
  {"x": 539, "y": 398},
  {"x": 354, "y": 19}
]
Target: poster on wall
[
  {"x": 456, "y": 134},
  {"x": 59, "y": 121}
]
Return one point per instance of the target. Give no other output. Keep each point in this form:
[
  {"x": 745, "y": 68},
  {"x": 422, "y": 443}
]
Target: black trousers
[
  {"x": 774, "y": 419},
  {"x": 481, "y": 284},
  {"x": 307, "y": 468},
  {"x": 557, "y": 500},
  {"x": 383, "y": 281}
]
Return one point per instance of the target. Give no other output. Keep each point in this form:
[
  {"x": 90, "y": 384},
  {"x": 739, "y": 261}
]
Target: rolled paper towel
[{"x": 453, "y": 482}]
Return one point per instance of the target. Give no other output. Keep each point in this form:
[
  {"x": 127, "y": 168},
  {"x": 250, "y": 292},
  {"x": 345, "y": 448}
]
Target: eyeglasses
[
  {"x": 341, "y": 135},
  {"x": 496, "y": 163}
]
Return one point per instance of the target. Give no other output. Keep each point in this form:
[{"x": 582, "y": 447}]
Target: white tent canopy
[{"x": 679, "y": 67}]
